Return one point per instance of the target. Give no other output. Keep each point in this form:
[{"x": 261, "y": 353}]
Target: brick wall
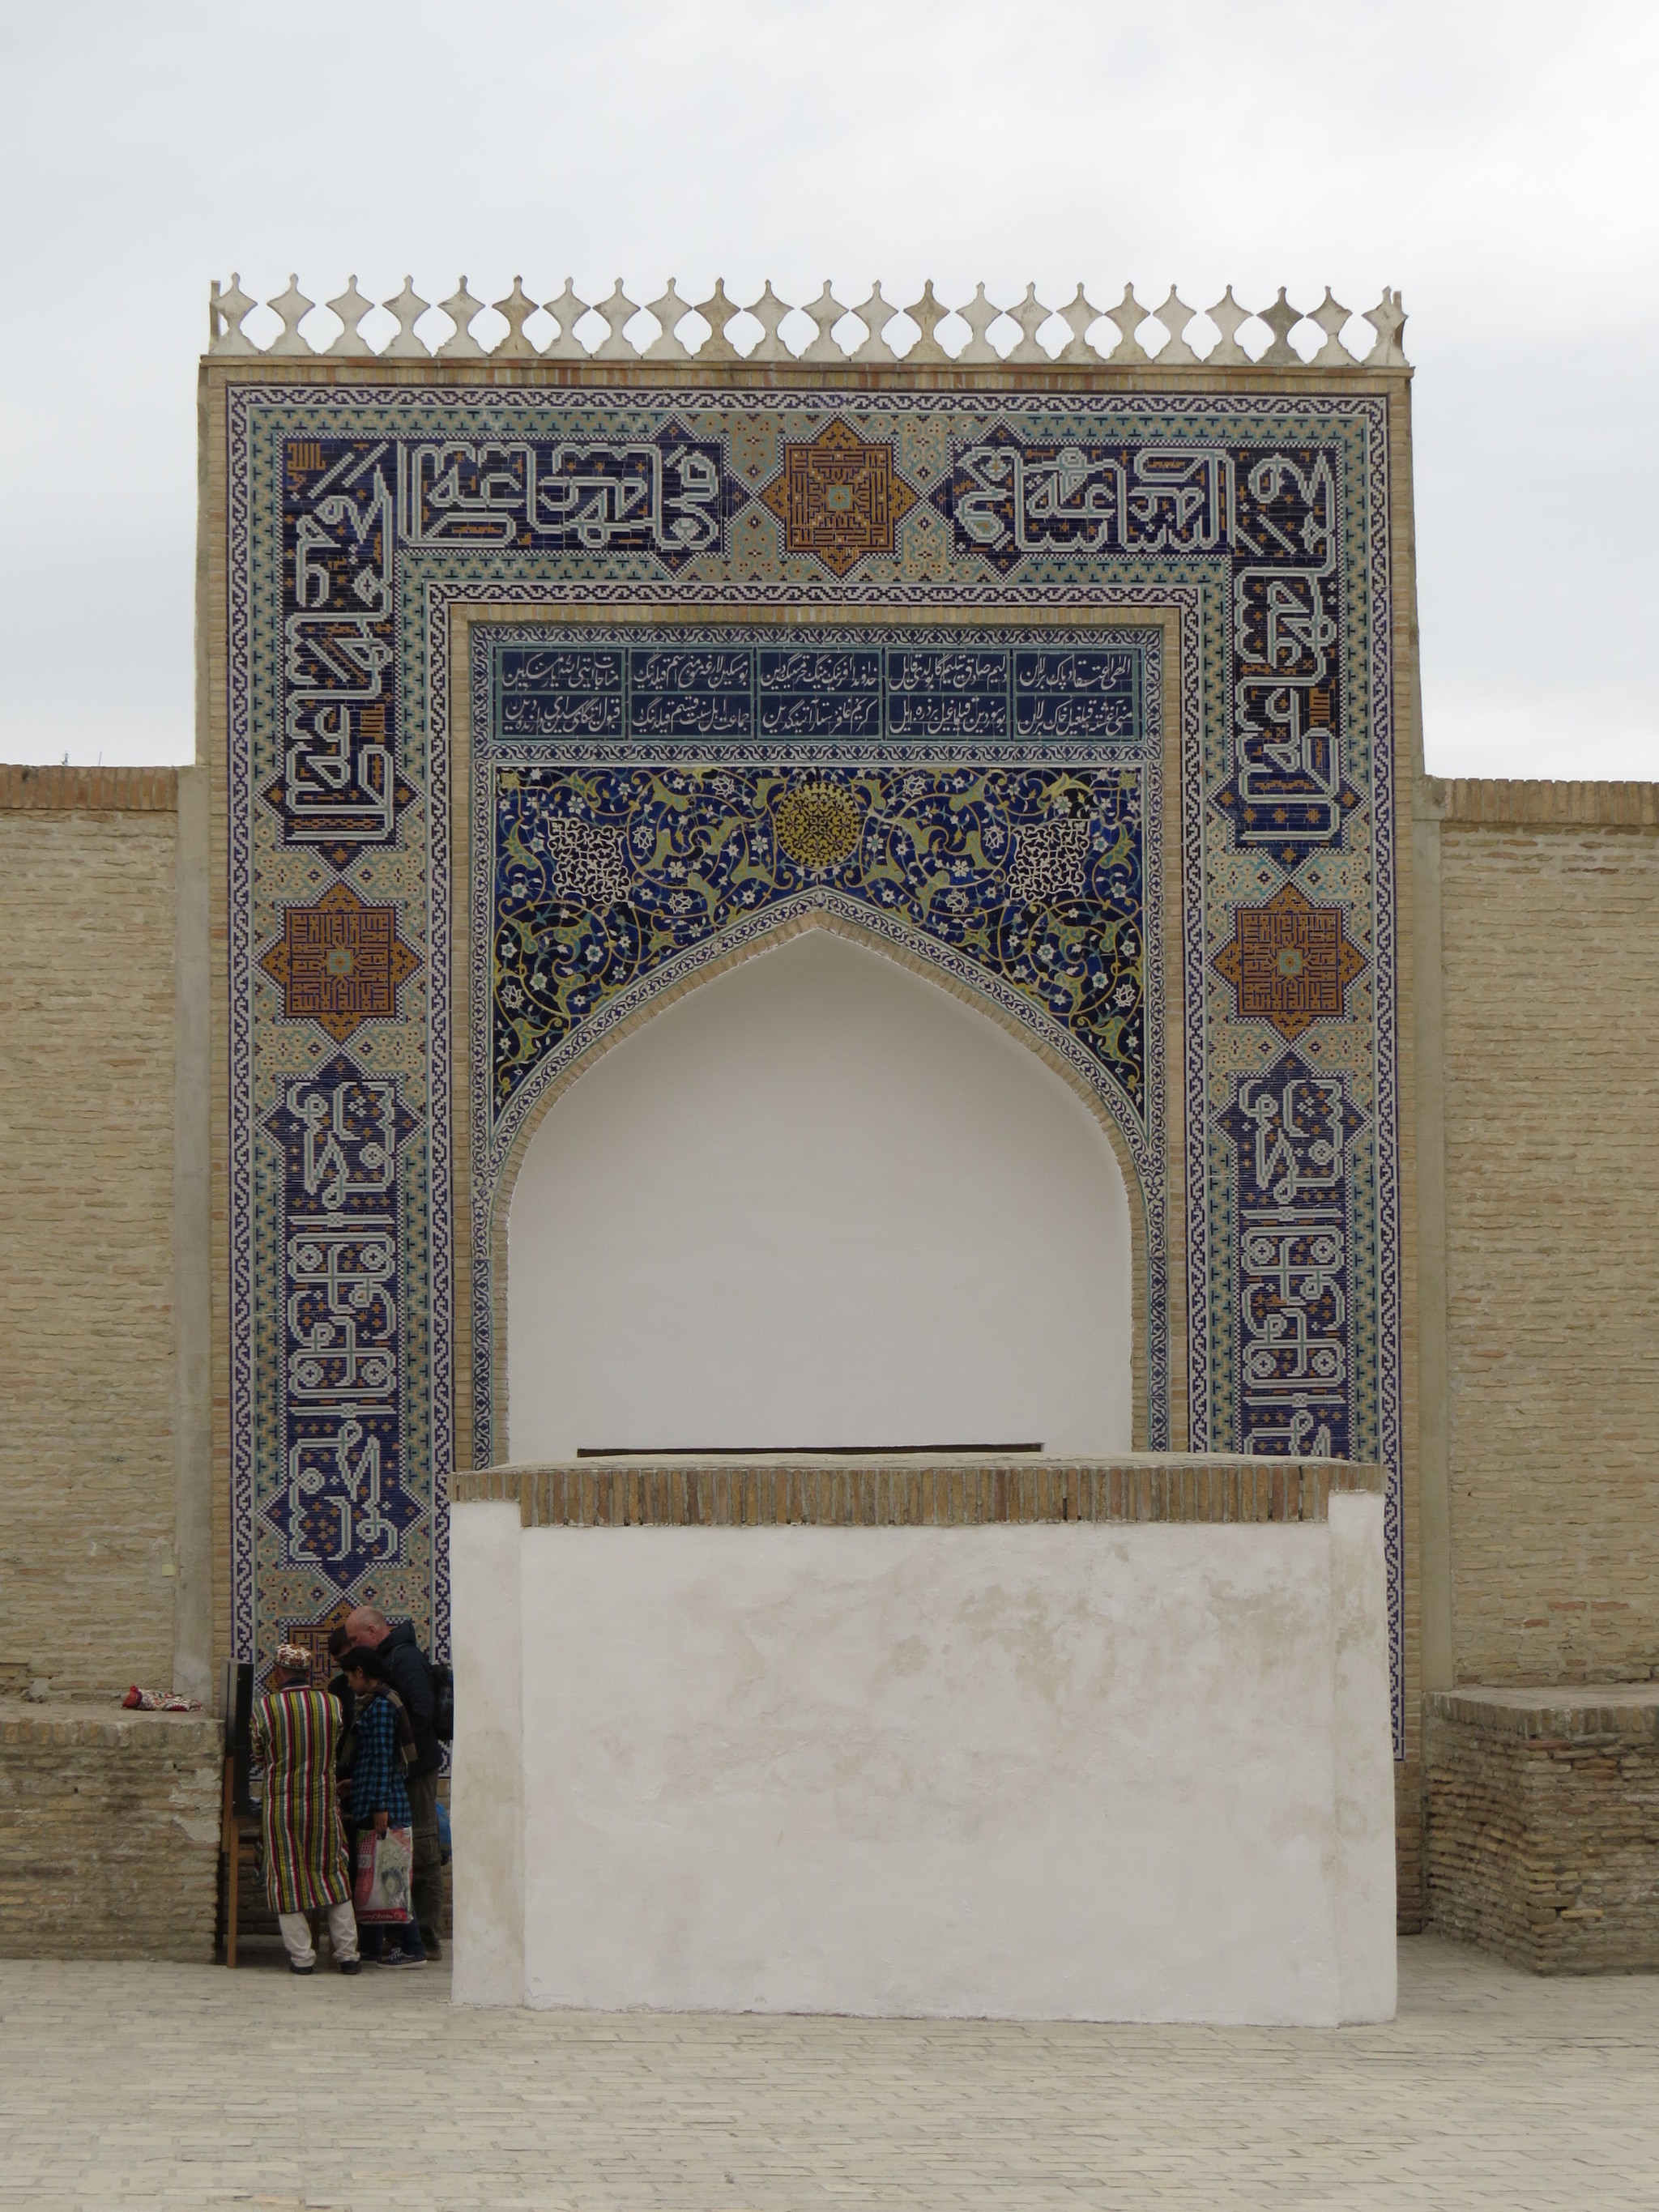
[
  {"x": 87, "y": 1503},
  {"x": 1550, "y": 922},
  {"x": 1543, "y": 1829},
  {"x": 109, "y": 1834}
]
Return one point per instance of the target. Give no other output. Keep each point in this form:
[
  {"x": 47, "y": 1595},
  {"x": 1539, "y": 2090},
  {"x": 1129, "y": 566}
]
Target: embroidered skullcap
[{"x": 294, "y": 1656}]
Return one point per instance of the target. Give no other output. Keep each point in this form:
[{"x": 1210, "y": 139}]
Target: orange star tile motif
[
  {"x": 839, "y": 497},
  {"x": 339, "y": 962},
  {"x": 1290, "y": 962}
]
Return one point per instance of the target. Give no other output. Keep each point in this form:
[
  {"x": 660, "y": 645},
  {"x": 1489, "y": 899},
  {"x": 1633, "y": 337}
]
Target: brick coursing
[
  {"x": 1543, "y": 802},
  {"x": 109, "y": 1834},
  {"x": 1542, "y": 1840},
  {"x": 66, "y": 790},
  {"x": 1550, "y": 955},
  {"x": 87, "y": 1018},
  {"x": 939, "y": 1494}
]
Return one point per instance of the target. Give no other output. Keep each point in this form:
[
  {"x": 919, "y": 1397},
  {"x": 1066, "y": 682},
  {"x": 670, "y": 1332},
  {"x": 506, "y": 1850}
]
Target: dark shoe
[
  {"x": 351, "y": 1966},
  {"x": 403, "y": 1959},
  {"x": 295, "y": 1967}
]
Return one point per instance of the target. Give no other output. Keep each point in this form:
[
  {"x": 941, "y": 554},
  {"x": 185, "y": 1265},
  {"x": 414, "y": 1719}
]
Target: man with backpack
[{"x": 422, "y": 1688}]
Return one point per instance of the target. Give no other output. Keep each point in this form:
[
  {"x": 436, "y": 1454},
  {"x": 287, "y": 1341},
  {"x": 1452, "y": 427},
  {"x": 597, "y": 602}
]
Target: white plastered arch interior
[{"x": 818, "y": 1201}]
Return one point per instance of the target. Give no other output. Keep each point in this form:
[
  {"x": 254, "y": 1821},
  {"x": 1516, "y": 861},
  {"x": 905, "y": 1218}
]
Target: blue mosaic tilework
[
  {"x": 1000, "y": 817},
  {"x": 345, "y": 1503},
  {"x": 599, "y": 874},
  {"x": 351, "y": 503},
  {"x": 1272, "y": 518},
  {"x": 788, "y": 690},
  {"x": 1292, "y": 1130},
  {"x": 363, "y": 521}
]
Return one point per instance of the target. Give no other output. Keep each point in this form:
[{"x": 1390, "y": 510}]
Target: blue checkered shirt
[{"x": 378, "y": 1783}]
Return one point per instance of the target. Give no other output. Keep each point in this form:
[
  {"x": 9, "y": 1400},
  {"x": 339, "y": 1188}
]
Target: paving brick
[{"x": 131, "y": 2086}]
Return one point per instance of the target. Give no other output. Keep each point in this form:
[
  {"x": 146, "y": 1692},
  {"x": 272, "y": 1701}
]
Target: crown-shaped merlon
[{"x": 1074, "y": 335}]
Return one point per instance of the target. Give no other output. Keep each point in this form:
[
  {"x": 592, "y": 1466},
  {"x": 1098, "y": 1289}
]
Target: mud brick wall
[
  {"x": 1542, "y": 1831},
  {"x": 1551, "y": 965},
  {"x": 87, "y": 1497},
  {"x": 109, "y": 1834}
]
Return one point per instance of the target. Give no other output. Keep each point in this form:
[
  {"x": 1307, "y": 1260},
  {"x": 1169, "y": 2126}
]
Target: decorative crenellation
[{"x": 1172, "y": 335}]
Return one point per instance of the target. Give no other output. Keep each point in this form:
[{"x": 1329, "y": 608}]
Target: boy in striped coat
[{"x": 295, "y": 1732}]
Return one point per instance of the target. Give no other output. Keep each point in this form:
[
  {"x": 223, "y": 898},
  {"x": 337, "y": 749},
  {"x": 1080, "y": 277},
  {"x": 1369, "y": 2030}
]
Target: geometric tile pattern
[
  {"x": 1289, "y": 962},
  {"x": 742, "y": 547},
  {"x": 838, "y": 497},
  {"x": 339, "y": 962}
]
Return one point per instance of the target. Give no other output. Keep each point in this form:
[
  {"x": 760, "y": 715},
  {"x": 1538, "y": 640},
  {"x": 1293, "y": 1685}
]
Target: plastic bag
[{"x": 386, "y": 1865}]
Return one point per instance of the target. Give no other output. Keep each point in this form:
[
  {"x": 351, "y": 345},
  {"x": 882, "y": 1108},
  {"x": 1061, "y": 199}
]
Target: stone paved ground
[{"x": 133, "y": 2085}]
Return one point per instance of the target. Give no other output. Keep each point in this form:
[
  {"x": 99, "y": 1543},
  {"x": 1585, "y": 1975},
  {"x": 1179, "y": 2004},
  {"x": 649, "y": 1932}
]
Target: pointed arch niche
[{"x": 818, "y": 1200}]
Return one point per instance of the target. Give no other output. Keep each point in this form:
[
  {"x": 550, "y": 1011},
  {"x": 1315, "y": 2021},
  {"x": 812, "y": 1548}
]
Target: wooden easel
[
  {"x": 236, "y": 1804},
  {"x": 231, "y": 1825}
]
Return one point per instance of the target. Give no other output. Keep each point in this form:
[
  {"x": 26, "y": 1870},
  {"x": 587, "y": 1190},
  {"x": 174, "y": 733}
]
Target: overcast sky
[{"x": 1498, "y": 162}]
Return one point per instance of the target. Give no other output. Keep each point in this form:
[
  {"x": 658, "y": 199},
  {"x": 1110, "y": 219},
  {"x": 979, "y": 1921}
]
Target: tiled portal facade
[{"x": 540, "y": 699}]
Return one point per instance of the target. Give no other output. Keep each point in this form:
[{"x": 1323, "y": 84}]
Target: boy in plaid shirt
[{"x": 378, "y": 1793}]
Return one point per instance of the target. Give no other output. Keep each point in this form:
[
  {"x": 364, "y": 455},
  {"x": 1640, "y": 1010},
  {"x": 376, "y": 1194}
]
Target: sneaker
[
  {"x": 403, "y": 1959},
  {"x": 295, "y": 1967},
  {"x": 351, "y": 1966}
]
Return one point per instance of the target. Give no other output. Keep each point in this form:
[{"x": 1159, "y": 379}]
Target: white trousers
[{"x": 342, "y": 1934}]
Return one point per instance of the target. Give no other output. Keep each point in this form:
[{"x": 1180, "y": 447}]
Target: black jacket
[
  {"x": 345, "y": 1749},
  {"x": 407, "y": 1673}
]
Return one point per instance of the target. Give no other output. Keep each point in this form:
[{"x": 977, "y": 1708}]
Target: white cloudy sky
[{"x": 1499, "y": 160}]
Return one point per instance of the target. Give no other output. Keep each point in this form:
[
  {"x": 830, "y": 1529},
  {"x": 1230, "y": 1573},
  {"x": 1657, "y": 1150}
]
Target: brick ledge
[
  {"x": 63, "y": 790},
  {"x": 1560, "y": 1712},
  {"x": 887, "y": 1493},
  {"x": 1500, "y": 802},
  {"x": 68, "y": 1727}
]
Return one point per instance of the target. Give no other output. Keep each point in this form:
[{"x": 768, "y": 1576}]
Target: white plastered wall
[
  {"x": 819, "y": 1201},
  {"x": 1082, "y": 1773}
]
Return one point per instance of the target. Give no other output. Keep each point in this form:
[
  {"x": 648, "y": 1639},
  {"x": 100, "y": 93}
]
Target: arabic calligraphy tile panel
[
  {"x": 339, "y": 962},
  {"x": 343, "y": 1505},
  {"x": 361, "y": 517},
  {"x": 1291, "y": 1130},
  {"x": 1273, "y": 518}
]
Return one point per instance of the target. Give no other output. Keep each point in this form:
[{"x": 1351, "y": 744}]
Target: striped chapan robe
[{"x": 294, "y": 1734}]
